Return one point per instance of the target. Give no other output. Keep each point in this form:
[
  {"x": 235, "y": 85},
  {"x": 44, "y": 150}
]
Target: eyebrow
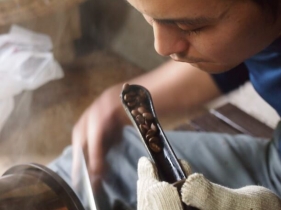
[
  {"x": 188, "y": 21},
  {"x": 197, "y": 21}
]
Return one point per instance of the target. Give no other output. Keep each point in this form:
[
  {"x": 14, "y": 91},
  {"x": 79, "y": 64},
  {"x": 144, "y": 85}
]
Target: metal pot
[{"x": 35, "y": 187}]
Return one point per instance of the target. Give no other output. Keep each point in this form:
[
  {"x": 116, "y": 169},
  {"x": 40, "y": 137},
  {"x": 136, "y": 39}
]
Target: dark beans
[
  {"x": 151, "y": 132},
  {"x": 142, "y": 110},
  {"x": 154, "y": 144},
  {"x": 128, "y": 98},
  {"x": 126, "y": 87},
  {"x": 131, "y": 94},
  {"x": 148, "y": 136},
  {"x": 139, "y": 107},
  {"x": 142, "y": 94},
  {"x": 143, "y": 129},
  {"x": 140, "y": 119},
  {"x": 147, "y": 116},
  {"x": 135, "y": 112},
  {"x": 153, "y": 127},
  {"x": 147, "y": 122},
  {"x": 154, "y": 140},
  {"x": 132, "y": 104}
]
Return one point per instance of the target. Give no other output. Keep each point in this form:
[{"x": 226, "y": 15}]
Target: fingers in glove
[
  {"x": 199, "y": 192},
  {"x": 147, "y": 169},
  {"x": 162, "y": 196},
  {"x": 196, "y": 191}
]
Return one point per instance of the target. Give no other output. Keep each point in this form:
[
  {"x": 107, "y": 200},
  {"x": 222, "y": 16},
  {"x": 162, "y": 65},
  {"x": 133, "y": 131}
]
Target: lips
[{"x": 176, "y": 57}]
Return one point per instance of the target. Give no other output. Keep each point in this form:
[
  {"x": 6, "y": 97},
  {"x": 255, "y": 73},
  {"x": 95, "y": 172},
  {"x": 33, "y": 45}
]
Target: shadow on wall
[
  {"x": 115, "y": 25},
  {"x": 100, "y": 21}
]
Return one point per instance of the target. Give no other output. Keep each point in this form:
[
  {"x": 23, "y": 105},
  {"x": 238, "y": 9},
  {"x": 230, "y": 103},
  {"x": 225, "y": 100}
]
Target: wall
[{"x": 115, "y": 25}]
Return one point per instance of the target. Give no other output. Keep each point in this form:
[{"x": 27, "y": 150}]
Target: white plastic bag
[{"x": 26, "y": 63}]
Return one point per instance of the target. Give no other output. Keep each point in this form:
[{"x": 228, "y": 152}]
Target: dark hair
[{"x": 272, "y": 6}]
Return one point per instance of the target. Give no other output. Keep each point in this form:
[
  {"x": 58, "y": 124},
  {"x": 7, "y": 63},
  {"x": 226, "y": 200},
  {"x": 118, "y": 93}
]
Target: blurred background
[{"x": 97, "y": 43}]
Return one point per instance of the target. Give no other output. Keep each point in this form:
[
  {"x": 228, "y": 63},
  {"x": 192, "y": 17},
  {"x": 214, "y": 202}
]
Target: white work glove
[{"x": 198, "y": 192}]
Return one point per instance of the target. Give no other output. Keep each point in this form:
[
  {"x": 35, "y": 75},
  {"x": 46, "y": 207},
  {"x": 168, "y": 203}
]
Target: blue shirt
[{"x": 264, "y": 72}]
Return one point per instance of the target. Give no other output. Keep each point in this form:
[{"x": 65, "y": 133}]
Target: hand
[
  {"x": 98, "y": 128},
  {"x": 198, "y": 192},
  {"x": 153, "y": 194}
]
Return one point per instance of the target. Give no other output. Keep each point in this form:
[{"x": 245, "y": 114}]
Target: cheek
[
  {"x": 219, "y": 46},
  {"x": 213, "y": 49}
]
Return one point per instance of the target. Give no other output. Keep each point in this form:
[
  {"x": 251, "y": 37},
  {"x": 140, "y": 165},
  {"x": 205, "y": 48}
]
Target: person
[{"x": 215, "y": 46}]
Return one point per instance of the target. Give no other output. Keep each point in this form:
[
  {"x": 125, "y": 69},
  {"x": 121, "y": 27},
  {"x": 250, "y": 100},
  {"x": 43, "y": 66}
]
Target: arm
[
  {"x": 184, "y": 87},
  {"x": 101, "y": 124}
]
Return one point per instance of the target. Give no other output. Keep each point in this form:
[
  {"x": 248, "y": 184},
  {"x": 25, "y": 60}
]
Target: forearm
[
  {"x": 175, "y": 88},
  {"x": 178, "y": 87}
]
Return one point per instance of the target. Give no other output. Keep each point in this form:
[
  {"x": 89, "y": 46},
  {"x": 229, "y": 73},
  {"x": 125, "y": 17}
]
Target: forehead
[{"x": 174, "y": 9}]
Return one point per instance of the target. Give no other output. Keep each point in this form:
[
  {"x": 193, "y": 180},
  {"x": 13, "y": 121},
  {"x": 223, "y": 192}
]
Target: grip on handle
[{"x": 138, "y": 105}]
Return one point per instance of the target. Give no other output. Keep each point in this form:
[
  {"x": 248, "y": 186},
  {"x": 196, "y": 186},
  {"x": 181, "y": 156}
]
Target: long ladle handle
[{"x": 138, "y": 105}]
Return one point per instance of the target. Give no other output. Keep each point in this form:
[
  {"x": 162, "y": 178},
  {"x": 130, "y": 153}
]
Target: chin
[{"x": 211, "y": 68}]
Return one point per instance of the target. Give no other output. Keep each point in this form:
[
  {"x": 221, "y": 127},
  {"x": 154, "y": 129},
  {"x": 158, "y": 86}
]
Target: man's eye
[
  {"x": 189, "y": 31},
  {"x": 183, "y": 27}
]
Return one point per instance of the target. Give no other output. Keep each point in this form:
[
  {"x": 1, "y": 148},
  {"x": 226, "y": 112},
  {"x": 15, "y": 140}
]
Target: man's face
[{"x": 213, "y": 35}]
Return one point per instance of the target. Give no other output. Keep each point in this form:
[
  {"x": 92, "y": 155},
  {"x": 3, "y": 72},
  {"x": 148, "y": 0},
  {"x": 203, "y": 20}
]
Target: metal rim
[{"x": 54, "y": 181}]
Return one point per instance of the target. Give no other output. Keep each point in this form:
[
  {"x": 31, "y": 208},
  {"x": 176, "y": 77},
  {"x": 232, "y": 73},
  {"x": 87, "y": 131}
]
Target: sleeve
[{"x": 232, "y": 79}]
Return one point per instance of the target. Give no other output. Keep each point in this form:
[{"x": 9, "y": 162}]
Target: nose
[{"x": 168, "y": 40}]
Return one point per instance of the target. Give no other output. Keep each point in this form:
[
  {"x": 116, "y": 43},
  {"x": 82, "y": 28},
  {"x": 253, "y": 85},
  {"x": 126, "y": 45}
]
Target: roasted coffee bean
[
  {"x": 149, "y": 135},
  {"x": 154, "y": 140},
  {"x": 154, "y": 144},
  {"x": 154, "y": 147},
  {"x": 153, "y": 127},
  {"x": 141, "y": 99},
  {"x": 137, "y": 98},
  {"x": 140, "y": 119},
  {"x": 126, "y": 87},
  {"x": 147, "y": 122},
  {"x": 151, "y": 132},
  {"x": 132, "y": 104},
  {"x": 131, "y": 94},
  {"x": 135, "y": 112},
  {"x": 142, "y": 109},
  {"x": 129, "y": 98},
  {"x": 143, "y": 129},
  {"x": 147, "y": 116},
  {"x": 144, "y": 105},
  {"x": 142, "y": 94}
]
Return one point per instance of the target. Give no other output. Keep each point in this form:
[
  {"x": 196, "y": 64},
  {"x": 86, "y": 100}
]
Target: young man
[{"x": 241, "y": 41}]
